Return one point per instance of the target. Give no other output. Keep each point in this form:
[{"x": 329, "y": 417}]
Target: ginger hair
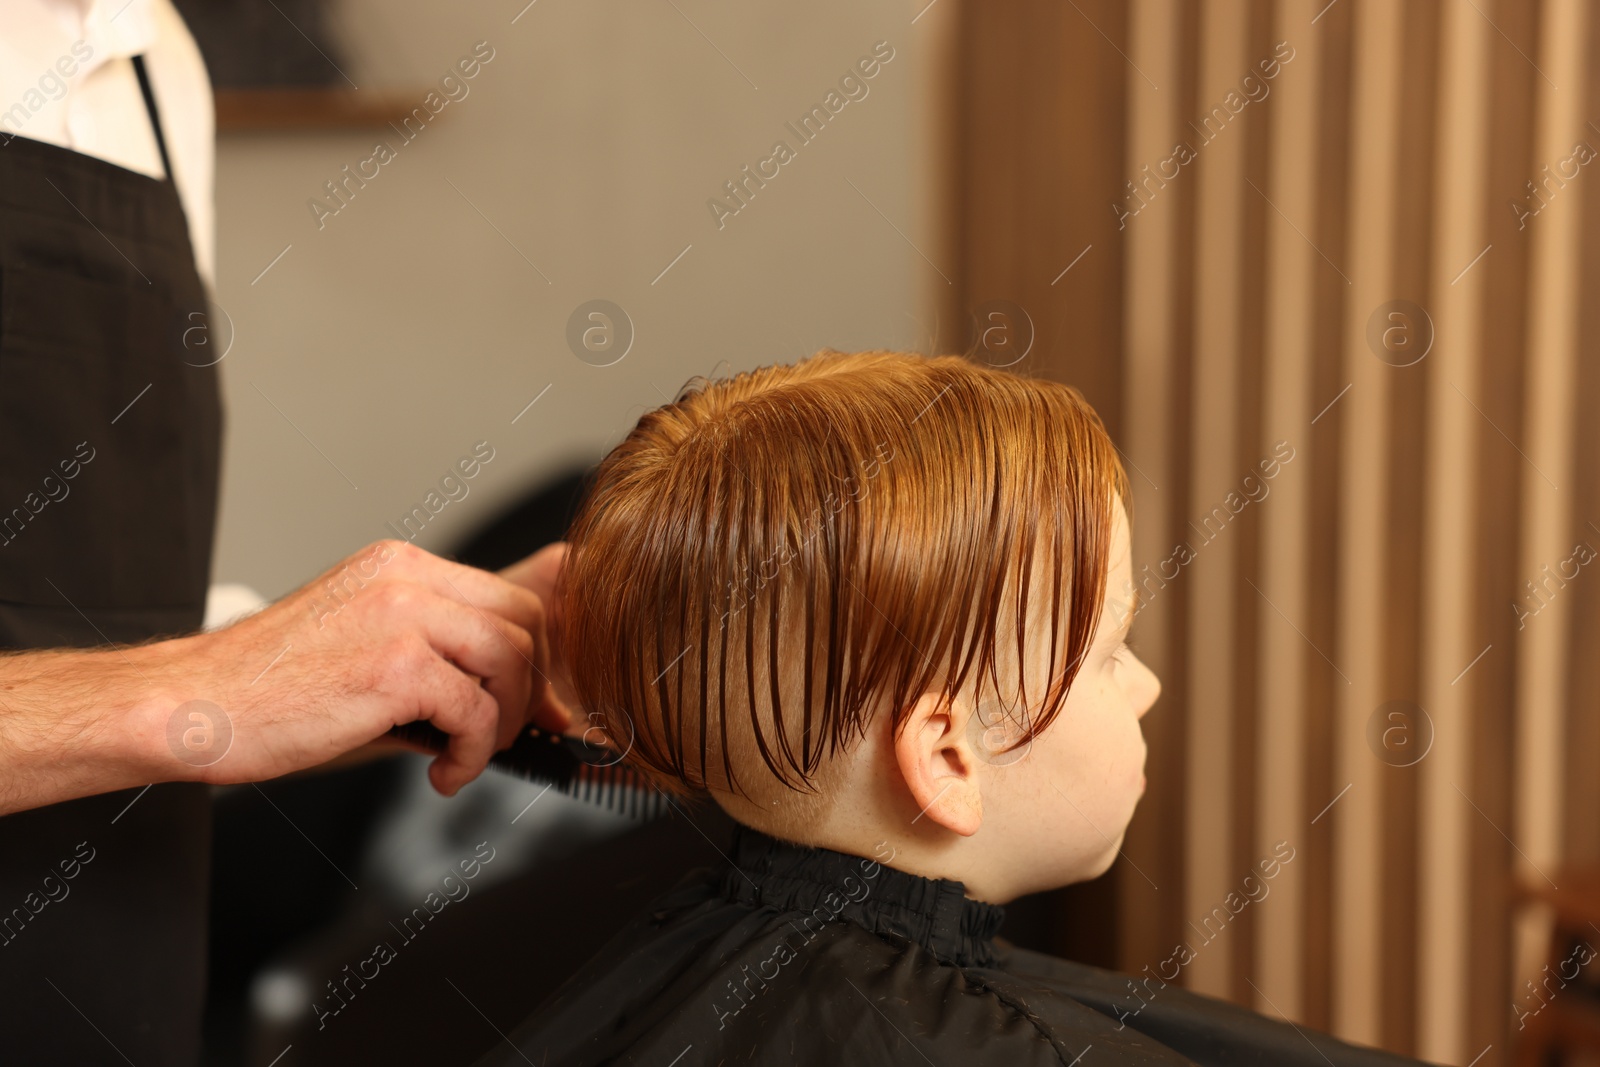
[{"x": 766, "y": 563}]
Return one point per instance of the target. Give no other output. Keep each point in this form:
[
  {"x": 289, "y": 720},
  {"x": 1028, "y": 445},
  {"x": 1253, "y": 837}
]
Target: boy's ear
[{"x": 938, "y": 764}]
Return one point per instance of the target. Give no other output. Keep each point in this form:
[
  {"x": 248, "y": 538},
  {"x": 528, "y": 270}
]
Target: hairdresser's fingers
[
  {"x": 470, "y": 720},
  {"x": 551, "y": 707},
  {"x": 472, "y": 586},
  {"x": 431, "y": 688},
  {"x": 548, "y": 710},
  {"x": 509, "y": 611},
  {"x": 477, "y": 646},
  {"x": 540, "y": 574}
]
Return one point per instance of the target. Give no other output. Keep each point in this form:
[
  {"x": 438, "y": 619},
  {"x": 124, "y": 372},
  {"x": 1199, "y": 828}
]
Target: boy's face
[{"x": 1058, "y": 808}]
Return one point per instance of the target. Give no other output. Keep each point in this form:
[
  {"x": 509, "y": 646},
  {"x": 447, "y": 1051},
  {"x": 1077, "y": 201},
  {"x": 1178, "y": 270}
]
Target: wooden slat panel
[
  {"x": 1078, "y": 314},
  {"x": 1213, "y": 574},
  {"x": 1549, "y": 532},
  {"x": 1449, "y": 635},
  {"x": 1581, "y": 836},
  {"x": 945, "y": 88},
  {"x": 990, "y": 129},
  {"x": 1326, "y": 435},
  {"x": 1178, "y": 674},
  {"x": 1363, "y": 517},
  {"x": 1410, "y": 249},
  {"x": 1500, "y": 470},
  {"x": 1389, "y": 545},
  {"x": 1151, "y": 916},
  {"x": 1032, "y": 199},
  {"x": 1245, "y": 531},
  {"x": 1291, "y": 264}
]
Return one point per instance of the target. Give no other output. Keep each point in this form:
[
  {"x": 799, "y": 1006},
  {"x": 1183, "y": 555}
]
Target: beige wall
[{"x": 406, "y": 329}]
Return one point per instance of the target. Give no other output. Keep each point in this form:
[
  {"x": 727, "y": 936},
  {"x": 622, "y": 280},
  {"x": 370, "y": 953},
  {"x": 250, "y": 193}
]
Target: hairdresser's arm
[{"x": 392, "y": 635}]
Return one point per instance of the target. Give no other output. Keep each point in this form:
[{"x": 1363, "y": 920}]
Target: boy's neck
[{"x": 855, "y": 834}]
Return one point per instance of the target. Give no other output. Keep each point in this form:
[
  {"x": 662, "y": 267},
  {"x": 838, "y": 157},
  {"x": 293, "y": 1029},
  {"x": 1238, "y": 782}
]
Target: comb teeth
[{"x": 615, "y": 788}]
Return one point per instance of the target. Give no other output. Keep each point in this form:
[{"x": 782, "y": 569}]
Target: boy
[{"x": 873, "y": 605}]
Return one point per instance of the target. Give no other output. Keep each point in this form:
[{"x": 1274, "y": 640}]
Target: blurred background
[{"x": 1341, "y": 242}]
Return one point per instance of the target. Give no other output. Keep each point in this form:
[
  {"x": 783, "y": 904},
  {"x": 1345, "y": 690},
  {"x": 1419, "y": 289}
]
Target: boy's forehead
[
  {"x": 1121, "y": 605},
  {"x": 1121, "y": 600}
]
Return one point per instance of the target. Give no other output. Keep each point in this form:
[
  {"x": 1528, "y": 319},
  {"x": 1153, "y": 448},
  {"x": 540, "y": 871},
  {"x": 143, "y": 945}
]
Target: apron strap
[{"x": 155, "y": 115}]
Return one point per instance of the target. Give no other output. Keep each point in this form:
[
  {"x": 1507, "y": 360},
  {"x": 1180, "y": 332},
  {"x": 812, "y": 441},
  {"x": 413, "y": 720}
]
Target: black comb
[{"x": 590, "y": 773}]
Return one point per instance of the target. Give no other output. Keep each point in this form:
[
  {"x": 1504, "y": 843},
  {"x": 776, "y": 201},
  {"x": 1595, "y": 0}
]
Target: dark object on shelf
[
  {"x": 260, "y": 43},
  {"x": 275, "y": 66}
]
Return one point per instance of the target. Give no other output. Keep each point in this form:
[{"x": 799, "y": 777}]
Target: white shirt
[{"x": 67, "y": 78}]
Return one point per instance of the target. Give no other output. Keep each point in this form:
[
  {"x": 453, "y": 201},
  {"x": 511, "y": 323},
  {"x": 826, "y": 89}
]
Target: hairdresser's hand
[{"x": 390, "y": 636}]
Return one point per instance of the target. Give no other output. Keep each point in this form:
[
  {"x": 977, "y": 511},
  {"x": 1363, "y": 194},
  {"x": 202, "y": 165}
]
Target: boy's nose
[{"x": 1149, "y": 692}]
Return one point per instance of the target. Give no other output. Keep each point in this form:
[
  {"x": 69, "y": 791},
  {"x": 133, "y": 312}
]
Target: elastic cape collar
[{"x": 934, "y": 913}]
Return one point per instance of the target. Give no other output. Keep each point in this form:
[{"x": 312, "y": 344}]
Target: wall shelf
[{"x": 259, "y": 110}]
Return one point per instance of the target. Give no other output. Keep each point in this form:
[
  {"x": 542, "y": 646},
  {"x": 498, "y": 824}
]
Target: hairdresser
[{"x": 110, "y": 427}]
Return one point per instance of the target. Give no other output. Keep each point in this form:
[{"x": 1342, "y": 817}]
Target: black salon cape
[{"x": 809, "y": 956}]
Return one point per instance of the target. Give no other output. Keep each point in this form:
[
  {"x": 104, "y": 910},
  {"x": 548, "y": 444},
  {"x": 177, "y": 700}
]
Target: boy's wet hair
[{"x": 872, "y": 517}]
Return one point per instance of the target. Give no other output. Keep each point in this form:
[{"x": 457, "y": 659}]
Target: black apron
[{"x": 110, "y": 434}]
